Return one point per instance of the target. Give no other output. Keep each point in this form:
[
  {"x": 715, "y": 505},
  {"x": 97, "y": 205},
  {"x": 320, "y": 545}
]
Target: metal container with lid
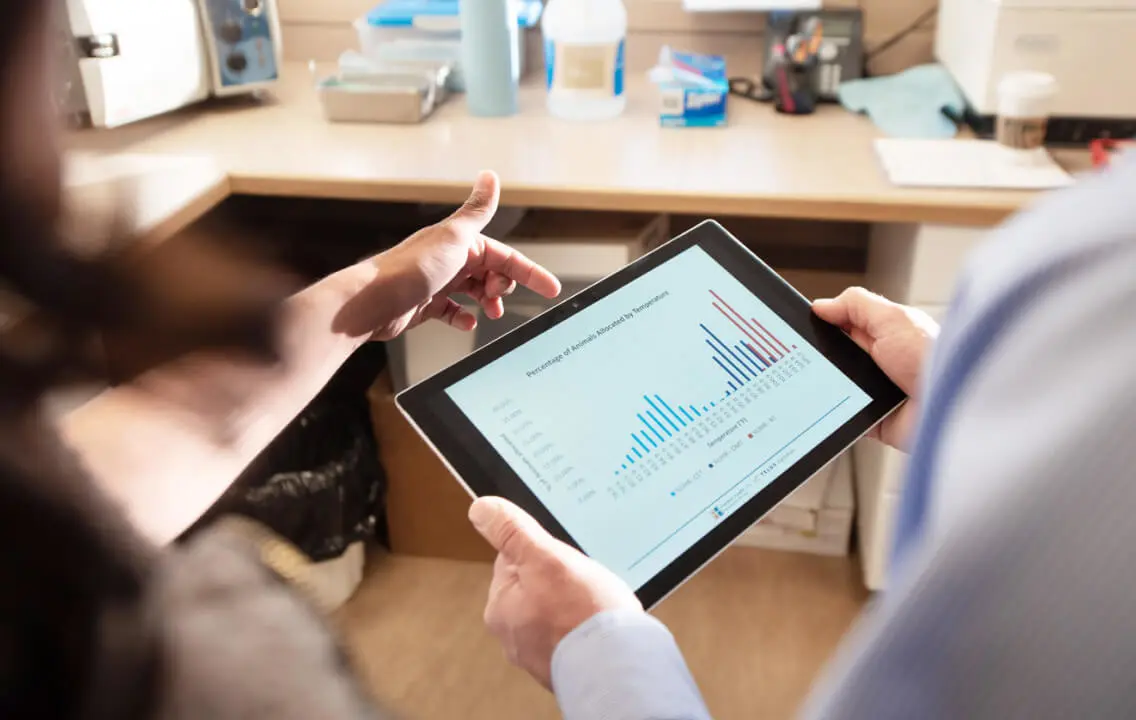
[{"x": 404, "y": 93}]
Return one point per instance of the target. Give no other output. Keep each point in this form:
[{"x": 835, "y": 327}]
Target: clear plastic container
[
  {"x": 584, "y": 58},
  {"x": 397, "y": 31}
]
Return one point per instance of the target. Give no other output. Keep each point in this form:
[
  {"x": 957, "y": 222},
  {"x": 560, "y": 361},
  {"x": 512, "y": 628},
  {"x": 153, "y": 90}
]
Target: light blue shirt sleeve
[
  {"x": 1012, "y": 596},
  {"x": 624, "y": 666}
]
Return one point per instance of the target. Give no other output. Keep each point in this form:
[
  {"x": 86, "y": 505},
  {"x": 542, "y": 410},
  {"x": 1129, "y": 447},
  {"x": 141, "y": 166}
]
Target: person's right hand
[
  {"x": 542, "y": 589},
  {"x": 897, "y": 337},
  {"x": 417, "y": 278}
]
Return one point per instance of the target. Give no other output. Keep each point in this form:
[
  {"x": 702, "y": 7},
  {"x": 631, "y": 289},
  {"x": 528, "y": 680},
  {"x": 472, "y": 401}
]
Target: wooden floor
[{"x": 755, "y": 626}]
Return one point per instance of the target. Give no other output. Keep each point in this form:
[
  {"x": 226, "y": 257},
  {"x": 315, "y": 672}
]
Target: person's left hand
[
  {"x": 417, "y": 277},
  {"x": 542, "y": 589}
]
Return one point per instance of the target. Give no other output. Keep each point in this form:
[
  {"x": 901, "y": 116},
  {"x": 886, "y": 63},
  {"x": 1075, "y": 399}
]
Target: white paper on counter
[{"x": 967, "y": 164}]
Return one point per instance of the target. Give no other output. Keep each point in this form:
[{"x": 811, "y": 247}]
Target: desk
[
  {"x": 764, "y": 164},
  {"x": 820, "y": 167}
]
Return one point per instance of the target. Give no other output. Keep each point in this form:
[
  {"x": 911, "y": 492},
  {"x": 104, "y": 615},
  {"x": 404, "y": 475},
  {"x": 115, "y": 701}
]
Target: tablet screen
[{"x": 680, "y": 395}]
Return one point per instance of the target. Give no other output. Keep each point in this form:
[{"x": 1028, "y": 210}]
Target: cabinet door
[
  {"x": 919, "y": 264},
  {"x": 880, "y": 472}
]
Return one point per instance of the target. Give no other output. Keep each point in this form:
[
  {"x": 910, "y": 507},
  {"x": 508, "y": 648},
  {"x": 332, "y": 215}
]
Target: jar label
[{"x": 597, "y": 68}]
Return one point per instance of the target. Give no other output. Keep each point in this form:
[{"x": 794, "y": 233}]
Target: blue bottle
[{"x": 490, "y": 61}]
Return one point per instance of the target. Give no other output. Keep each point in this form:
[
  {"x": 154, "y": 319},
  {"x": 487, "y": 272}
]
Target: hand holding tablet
[{"x": 652, "y": 418}]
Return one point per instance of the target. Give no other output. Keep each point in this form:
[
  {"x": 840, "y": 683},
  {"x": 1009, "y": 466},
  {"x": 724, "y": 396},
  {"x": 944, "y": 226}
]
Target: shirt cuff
[{"x": 624, "y": 665}]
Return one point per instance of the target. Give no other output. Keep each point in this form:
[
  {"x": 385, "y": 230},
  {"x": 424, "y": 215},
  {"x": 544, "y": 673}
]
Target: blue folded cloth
[{"x": 913, "y": 104}]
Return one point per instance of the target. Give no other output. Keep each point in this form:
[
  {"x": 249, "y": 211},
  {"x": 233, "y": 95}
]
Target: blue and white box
[
  {"x": 693, "y": 89},
  {"x": 430, "y": 31}
]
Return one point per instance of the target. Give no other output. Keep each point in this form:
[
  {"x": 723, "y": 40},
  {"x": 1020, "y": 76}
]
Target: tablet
[{"x": 652, "y": 418}]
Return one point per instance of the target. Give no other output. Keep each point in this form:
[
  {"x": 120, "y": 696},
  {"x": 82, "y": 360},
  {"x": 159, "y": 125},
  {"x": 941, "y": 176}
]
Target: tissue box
[
  {"x": 694, "y": 89},
  {"x": 693, "y": 107}
]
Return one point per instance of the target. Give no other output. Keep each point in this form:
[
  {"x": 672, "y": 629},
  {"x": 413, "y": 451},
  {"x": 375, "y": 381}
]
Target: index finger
[{"x": 504, "y": 260}]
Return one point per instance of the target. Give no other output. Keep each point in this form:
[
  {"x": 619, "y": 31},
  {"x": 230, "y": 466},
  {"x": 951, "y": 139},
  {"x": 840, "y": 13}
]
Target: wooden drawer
[{"x": 919, "y": 264}]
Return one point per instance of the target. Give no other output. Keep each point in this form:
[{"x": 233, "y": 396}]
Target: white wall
[{"x": 321, "y": 29}]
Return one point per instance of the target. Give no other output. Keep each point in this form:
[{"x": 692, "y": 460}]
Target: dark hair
[
  {"x": 149, "y": 304},
  {"x": 74, "y": 575}
]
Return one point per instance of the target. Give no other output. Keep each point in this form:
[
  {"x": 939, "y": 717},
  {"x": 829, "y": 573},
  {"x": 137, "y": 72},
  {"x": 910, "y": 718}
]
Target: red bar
[
  {"x": 772, "y": 336},
  {"x": 745, "y": 330},
  {"x": 735, "y": 312},
  {"x": 764, "y": 360},
  {"x": 774, "y": 349}
]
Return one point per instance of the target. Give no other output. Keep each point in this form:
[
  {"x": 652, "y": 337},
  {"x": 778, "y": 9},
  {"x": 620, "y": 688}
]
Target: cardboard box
[{"x": 426, "y": 507}]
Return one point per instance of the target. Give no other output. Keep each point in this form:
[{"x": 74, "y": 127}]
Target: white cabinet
[
  {"x": 919, "y": 264},
  {"x": 879, "y": 474},
  {"x": 916, "y": 265}
]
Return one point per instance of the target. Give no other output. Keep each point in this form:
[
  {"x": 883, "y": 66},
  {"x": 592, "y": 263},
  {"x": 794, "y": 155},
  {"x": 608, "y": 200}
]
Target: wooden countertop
[{"x": 764, "y": 164}]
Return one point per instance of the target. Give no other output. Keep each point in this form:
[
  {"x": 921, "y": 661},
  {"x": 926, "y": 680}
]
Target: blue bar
[
  {"x": 641, "y": 444},
  {"x": 725, "y": 355},
  {"x": 737, "y": 364},
  {"x": 727, "y": 393},
  {"x": 649, "y": 438},
  {"x": 751, "y": 364},
  {"x": 637, "y": 453},
  {"x": 772, "y": 359},
  {"x": 630, "y": 460},
  {"x": 725, "y": 347},
  {"x": 732, "y": 386},
  {"x": 684, "y": 412},
  {"x": 705, "y": 409},
  {"x": 624, "y": 467},
  {"x": 664, "y": 427},
  {"x": 668, "y": 407},
  {"x": 756, "y": 355},
  {"x": 748, "y": 364},
  {"x": 725, "y": 368},
  {"x": 652, "y": 429},
  {"x": 696, "y": 413},
  {"x": 656, "y": 407},
  {"x": 713, "y": 405}
]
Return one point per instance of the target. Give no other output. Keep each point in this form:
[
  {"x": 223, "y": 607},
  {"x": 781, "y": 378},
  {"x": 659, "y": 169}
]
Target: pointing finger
[
  {"x": 514, "y": 266},
  {"x": 482, "y": 203}
]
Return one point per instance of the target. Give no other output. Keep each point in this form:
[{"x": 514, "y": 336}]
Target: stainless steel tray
[{"x": 394, "y": 95}]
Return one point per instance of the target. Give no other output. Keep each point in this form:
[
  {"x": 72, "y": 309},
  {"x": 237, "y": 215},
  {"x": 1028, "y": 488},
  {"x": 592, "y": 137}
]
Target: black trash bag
[{"x": 320, "y": 483}]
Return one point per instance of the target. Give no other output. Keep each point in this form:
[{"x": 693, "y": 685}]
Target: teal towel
[{"x": 913, "y": 104}]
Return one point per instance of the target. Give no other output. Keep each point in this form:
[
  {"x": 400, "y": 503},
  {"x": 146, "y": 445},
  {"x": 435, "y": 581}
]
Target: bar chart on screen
[
  {"x": 649, "y": 417},
  {"x": 753, "y": 362}
]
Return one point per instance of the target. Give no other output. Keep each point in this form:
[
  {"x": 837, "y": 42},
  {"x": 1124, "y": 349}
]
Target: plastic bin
[{"x": 429, "y": 31}]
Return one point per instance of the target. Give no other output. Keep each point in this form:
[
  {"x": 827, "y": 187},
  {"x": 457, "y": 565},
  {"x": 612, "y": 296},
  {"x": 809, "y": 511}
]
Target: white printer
[
  {"x": 1088, "y": 45},
  {"x": 132, "y": 59}
]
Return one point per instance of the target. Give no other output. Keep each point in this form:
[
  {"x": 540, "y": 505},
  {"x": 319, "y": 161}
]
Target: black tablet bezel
[{"x": 484, "y": 472}]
